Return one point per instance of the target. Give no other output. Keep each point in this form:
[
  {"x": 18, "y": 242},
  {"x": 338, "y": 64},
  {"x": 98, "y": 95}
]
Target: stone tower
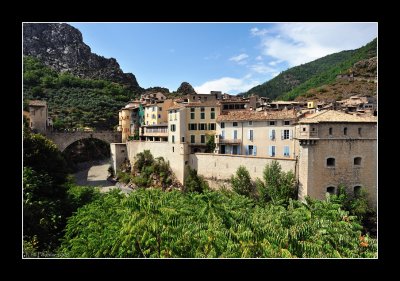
[{"x": 38, "y": 116}]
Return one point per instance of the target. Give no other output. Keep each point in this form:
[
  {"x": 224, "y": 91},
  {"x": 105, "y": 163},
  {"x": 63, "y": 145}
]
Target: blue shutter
[
  {"x": 248, "y": 134},
  {"x": 270, "y": 150},
  {"x": 239, "y": 150},
  {"x": 273, "y": 150},
  {"x": 254, "y": 150},
  {"x": 247, "y": 150}
]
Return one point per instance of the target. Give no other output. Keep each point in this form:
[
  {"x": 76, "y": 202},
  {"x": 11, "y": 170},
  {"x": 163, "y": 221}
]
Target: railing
[
  {"x": 156, "y": 130},
  {"x": 229, "y": 141}
]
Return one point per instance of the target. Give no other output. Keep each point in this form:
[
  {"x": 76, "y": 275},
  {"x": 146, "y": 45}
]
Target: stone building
[
  {"x": 336, "y": 148},
  {"x": 38, "y": 115}
]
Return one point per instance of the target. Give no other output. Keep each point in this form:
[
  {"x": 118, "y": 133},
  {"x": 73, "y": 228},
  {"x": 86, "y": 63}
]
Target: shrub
[
  {"x": 241, "y": 183},
  {"x": 194, "y": 182}
]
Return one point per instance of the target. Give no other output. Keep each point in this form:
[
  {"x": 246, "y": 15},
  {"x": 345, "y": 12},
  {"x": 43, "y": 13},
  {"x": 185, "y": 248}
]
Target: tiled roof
[
  {"x": 244, "y": 115},
  {"x": 335, "y": 117},
  {"x": 37, "y": 103},
  {"x": 203, "y": 104},
  {"x": 176, "y": 106}
]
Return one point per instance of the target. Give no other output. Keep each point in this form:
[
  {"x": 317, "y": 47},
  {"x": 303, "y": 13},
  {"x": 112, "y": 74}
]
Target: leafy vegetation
[
  {"x": 299, "y": 79},
  {"x": 152, "y": 224},
  {"x": 74, "y": 102},
  {"x": 186, "y": 89},
  {"x": 194, "y": 182},
  {"x": 210, "y": 144},
  {"x": 242, "y": 183}
]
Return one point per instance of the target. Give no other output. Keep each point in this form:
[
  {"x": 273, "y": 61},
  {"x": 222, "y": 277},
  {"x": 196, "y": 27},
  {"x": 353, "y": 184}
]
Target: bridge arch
[{"x": 63, "y": 140}]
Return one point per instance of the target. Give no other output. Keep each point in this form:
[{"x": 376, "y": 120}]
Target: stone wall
[
  {"x": 222, "y": 167},
  {"x": 118, "y": 154},
  {"x": 175, "y": 154}
]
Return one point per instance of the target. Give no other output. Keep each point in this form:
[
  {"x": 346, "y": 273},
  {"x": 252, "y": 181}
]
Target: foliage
[
  {"x": 74, "y": 102},
  {"x": 157, "y": 90},
  {"x": 153, "y": 224},
  {"x": 143, "y": 159},
  {"x": 278, "y": 186},
  {"x": 194, "y": 182},
  {"x": 241, "y": 182},
  {"x": 186, "y": 88},
  {"x": 111, "y": 171},
  {"x": 210, "y": 144},
  {"x": 296, "y": 80},
  {"x": 79, "y": 196}
]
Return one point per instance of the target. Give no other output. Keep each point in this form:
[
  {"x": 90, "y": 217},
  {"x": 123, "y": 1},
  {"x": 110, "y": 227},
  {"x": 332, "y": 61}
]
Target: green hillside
[
  {"x": 74, "y": 102},
  {"x": 296, "y": 80}
]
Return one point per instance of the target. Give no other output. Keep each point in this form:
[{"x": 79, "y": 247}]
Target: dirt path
[{"x": 95, "y": 174}]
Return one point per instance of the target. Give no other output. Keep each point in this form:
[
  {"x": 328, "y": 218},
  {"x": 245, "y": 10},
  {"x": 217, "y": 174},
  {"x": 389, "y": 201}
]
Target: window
[
  {"x": 159, "y": 115},
  {"x": 271, "y": 150},
  {"x": 330, "y": 131},
  {"x": 272, "y": 134},
  {"x": 160, "y": 109},
  {"x": 192, "y": 138},
  {"x": 203, "y": 115},
  {"x": 170, "y": 116},
  {"x": 235, "y": 134},
  {"x": 235, "y": 149},
  {"x": 153, "y": 116},
  {"x": 202, "y": 126},
  {"x": 212, "y": 127},
  {"x": 183, "y": 139},
  {"x": 272, "y": 123},
  {"x": 357, "y": 190},
  {"x": 192, "y": 113},
  {"x": 173, "y": 149},
  {"x": 285, "y": 134},
  {"x": 222, "y": 134},
  {"x": 304, "y": 129},
  {"x": 251, "y": 150},
  {"x": 193, "y": 127},
  {"x": 331, "y": 190},
  {"x": 173, "y": 128},
  {"x": 286, "y": 123},
  {"x": 202, "y": 109},
  {"x": 192, "y": 109},
  {"x": 173, "y": 139},
  {"x": 235, "y": 124},
  {"x": 203, "y": 139},
  {"x": 212, "y": 114},
  {"x": 250, "y": 123},
  {"x": 345, "y": 131},
  {"x": 286, "y": 151},
  {"x": 222, "y": 125},
  {"x": 250, "y": 135},
  {"x": 359, "y": 131},
  {"x": 330, "y": 162},
  {"x": 153, "y": 108},
  {"x": 357, "y": 161},
  {"x": 212, "y": 109}
]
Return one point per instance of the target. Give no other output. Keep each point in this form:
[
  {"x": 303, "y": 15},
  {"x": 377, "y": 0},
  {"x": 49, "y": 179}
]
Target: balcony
[
  {"x": 155, "y": 130},
  {"x": 228, "y": 141}
]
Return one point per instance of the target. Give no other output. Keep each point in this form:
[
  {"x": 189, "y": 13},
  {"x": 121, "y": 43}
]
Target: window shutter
[
  {"x": 248, "y": 134},
  {"x": 239, "y": 150},
  {"x": 270, "y": 150},
  {"x": 270, "y": 134},
  {"x": 188, "y": 127},
  {"x": 223, "y": 134},
  {"x": 247, "y": 150},
  {"x": 290, "y": 134},
  {"x": 282, "y": 134},
  {"x": 254, "y": 150}
]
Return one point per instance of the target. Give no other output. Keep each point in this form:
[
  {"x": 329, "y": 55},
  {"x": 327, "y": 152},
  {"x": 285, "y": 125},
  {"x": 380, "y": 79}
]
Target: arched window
[
  {"x": 357, "y": 161},
  {"x": 330, "y": 162},
  {"x": 357, "y": 190},
  {"x": 331, "y": 190},
  {"x": 345, "y": 131}
]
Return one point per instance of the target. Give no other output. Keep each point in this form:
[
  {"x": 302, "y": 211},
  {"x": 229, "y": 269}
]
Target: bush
[
  {"x": 194, "y": 182},
  {"x": 241, "y": 183}
]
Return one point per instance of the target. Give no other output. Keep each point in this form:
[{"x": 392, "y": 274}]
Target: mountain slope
[
  {"x": 299, "y": 79},
  {"x": 61, "y": 47}
]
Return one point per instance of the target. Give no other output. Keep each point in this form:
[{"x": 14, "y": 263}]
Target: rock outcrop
[{"x": 60, "y": 46}]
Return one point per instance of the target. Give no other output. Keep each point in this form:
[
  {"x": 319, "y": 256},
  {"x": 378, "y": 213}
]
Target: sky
[{"x": 227, "y": 57}]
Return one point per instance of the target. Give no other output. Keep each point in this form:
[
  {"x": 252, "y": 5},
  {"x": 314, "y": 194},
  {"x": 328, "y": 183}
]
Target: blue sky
[{"x": 228, "y": 57}]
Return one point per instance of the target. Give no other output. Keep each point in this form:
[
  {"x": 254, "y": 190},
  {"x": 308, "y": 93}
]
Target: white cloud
[
  {"x": 274, "y": 62},
  {"x": 262, "y": 68},
  {"x": 258, "y": 32},
  {"x": 259, "y": 58},
  {"x": 298, "y": 43},
  {"x": 227, "y": 85},
  {"x": 240, "y": 59}
]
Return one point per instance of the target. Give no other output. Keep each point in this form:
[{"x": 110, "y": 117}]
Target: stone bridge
[{"x": 64, "y": 139}]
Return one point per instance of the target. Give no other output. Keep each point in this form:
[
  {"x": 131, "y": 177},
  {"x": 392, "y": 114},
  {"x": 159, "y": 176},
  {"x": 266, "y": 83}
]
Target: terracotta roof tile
[
  {"x": 37, "y": 103},
  {"x": 244, "y": 115},
  {"x": 335, "y": 116}
]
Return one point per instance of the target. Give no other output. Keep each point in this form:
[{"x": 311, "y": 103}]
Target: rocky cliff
[{"x": 61, "y": 47}]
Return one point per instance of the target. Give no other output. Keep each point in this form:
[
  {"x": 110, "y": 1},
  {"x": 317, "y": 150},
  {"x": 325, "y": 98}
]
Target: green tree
[
  {"x": 210, "y": 144},
  {"x": 194, "y": 182},
  {"x": 278, "y": 186},
  {"x": 241, "y": 182}
]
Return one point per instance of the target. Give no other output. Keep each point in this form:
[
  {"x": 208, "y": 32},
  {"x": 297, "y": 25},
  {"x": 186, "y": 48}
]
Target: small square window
[
  {"x": 250, "y": 123},
  {"x": 287, "y": 122},
  {"x": 235, "y": 124}
]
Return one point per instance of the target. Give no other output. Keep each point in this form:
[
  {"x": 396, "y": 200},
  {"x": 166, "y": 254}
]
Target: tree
[
  {"x": 186, "y": 88},
  {"x": 143, "y": 159},
  {"x": 194, "y": 182},
  {"x": 210, "y": 143},
  {"x": 241, "y": 183},
  {"x": 278, "y": 186}
]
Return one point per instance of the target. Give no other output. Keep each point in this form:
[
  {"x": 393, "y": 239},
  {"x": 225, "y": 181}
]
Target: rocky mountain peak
[{"x": 61, "y": 47}]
